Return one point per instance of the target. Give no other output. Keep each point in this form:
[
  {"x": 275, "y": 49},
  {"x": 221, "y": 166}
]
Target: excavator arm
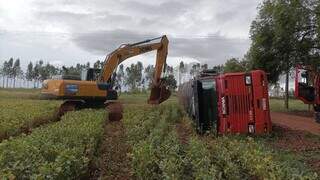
[{"x": 159, "y": 91}]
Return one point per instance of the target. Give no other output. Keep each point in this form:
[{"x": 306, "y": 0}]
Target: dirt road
[
  {"x": 114, "y": 160},
  {"x": 296, "y": 122}
]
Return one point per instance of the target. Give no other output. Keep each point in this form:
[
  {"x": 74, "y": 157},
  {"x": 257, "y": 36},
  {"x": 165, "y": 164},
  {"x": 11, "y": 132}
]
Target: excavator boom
[{"x": 159, "y": 90}]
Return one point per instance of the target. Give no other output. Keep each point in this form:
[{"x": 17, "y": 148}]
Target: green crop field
[
  {"x": 20, "y": 111},
  {"x": 17, "y": 115},
  {"x": 62, "y": 150},
  {"x": 19, "y": 93},
  {"x": 150, "y": 142},
  {"x": 158, "y": 153}
]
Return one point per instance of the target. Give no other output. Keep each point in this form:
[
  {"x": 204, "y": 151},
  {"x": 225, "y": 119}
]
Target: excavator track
[
  {"x": 73, "y": 105},
  {"x": 66, "y": 107}
]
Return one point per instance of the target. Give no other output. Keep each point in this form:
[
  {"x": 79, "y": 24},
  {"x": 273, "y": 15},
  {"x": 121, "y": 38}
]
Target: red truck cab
[
  {"x": 228, "y": 103},
  {"x": 243, "y": 103}
]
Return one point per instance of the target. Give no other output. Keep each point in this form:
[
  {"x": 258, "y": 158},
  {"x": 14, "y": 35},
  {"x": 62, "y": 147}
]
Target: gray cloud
[
  {"x": 100, "y": 42},
  {"x": 213, "y": 49},
  {"x": 168, "y": 8},
  {"x": 61, "y": 16},
  {"x": 232, "y": 17},
  {"x": 206, "y": 30}
]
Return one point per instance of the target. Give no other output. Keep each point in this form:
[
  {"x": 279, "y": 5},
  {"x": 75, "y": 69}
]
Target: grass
[
  {"x": 277, "y": 105},
  {"x": 297, "y": 146},
  {"x": 62, "y": 150},
  {"x": 21, "y": 115},
  {"x": 157, "y": 152},
  {"x": 19, "y": 93},
  {"x": 136, "y": 98},
  {"x": 21, "y": 111},
  {"x": 155, "y": 146},
  {"x": 140, "y": 98}
]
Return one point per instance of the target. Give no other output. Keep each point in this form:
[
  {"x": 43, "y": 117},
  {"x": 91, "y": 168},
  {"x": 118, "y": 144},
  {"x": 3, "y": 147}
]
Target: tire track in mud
[{"x": 114, "y": 162}]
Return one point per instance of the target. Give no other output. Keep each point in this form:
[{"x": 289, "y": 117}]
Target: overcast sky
[{"x": 76, "y": 31}]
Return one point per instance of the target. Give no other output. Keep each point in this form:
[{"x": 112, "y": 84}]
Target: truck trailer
[{"x": 236, "y": 103}]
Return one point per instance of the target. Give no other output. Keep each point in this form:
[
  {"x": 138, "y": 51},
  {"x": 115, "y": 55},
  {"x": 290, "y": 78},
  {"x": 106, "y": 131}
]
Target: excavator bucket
[{"x": 159, "y": 93}]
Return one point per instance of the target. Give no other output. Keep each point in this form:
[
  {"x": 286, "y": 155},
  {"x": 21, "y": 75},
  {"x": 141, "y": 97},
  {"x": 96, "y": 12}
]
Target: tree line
[
  {"x": 136, "y": 76},
  {"x": 11, "y": 70},
  {"x": 133, "y": 77}
]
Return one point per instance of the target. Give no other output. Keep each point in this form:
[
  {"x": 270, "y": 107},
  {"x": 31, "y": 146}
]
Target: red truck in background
[{"x": 307, "y": 87}]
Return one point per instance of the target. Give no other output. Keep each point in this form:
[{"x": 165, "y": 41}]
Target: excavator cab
[{"x": 304, "y": 89}]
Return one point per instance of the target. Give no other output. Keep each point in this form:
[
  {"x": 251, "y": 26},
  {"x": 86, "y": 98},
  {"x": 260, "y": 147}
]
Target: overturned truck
[{"x": 228, "y": 103}]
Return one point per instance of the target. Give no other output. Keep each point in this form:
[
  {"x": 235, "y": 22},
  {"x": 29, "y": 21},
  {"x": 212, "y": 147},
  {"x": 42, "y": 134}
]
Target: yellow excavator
[{"x": 96, "y": 87}]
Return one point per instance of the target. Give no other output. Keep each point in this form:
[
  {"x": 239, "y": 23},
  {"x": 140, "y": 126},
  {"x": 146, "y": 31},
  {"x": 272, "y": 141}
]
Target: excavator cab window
[
  {"x": 90, "y": 74},
  {"x": 84, "y": 75},
  {"x": 305, "y": 87}
]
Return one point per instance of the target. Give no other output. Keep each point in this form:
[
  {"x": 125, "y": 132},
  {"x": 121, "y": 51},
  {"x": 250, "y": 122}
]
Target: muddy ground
[
  {"x": 296, "y": 122},
  {"x": 114, "y": 161}
]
